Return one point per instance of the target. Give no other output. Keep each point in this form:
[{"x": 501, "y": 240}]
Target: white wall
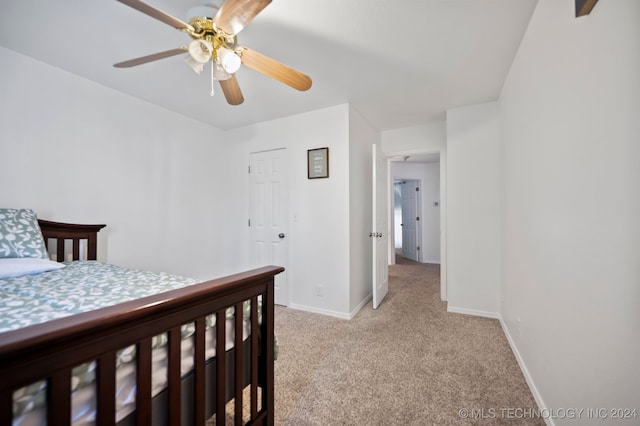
[
  {"x": 473, "y": 209},
  {"x": 431, "y": 213},
  {"x": 362, "y": 136},
  {"x": 570, "y": 112},
  {"x": 76, "y": 151},
  {"x": 425, "y": 138},
  {"x": 429, "y": 176},
  {"x": 174, "y": 192},
  {"x": 319, "y": 250}
]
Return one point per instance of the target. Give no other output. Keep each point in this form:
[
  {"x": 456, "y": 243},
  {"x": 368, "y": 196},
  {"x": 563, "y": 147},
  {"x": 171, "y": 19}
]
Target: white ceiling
[{"x": 398, "y": 62}]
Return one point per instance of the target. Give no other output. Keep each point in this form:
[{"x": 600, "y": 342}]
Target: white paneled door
[
  {"x": 410, "y": 195},
  {"x": 267, "y": 222},
  {"x": 380, "y": 235}
]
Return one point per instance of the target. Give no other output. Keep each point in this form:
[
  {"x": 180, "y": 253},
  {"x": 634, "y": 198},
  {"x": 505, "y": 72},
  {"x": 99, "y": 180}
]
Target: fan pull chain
[{"x": 212, "y": 79}]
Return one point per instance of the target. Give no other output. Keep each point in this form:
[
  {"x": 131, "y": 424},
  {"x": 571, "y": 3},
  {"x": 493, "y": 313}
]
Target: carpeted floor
[{"x": 409, "y": 362}]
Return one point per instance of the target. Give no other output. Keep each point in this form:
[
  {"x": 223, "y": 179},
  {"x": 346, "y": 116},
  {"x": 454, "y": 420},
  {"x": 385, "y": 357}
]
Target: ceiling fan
[{"x": 214, "y": 40}]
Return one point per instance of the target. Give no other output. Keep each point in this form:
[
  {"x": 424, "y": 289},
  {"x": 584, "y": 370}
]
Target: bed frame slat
[
  {"x": 76, "y": 250},
  {"x": 254, "y": 357},
  {"x": 143, "y": 382},
  {"x": 59, "y": 398},
  {"x": 106, "y": 401},
  {"x": 199, "y": 407},
  {"x": 221, "y": 378},
  {"x": 60, "y": 250},
  {"x": 239, "y": 356},
  {"x": 268, "y": 327},
  {"x": 173, "y": 375},
  {"x": 6, "y": 407}
]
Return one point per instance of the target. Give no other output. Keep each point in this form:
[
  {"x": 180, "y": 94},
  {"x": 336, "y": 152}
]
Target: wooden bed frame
[{"x": 49, "y": 351}]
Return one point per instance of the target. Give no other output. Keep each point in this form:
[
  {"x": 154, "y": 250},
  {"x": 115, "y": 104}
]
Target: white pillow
[{"x": 15, "y": 267}]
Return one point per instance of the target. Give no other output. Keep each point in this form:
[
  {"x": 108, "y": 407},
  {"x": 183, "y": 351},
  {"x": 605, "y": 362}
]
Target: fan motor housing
[{"x": 204, "y": 28}]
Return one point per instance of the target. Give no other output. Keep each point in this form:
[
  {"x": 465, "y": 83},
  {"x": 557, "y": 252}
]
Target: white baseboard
[
  {"x": 361, "y": 305},
  {"x": 525, "y": 372},
  {"x": 523, "y": 367},
  {"x": 341, "y": 315},
  {"x": 473, "y": 312},
  {"x": 333, "y": 313}
]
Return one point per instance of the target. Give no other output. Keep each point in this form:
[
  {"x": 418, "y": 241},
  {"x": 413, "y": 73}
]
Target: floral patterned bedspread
[{"x": 80, "y": 287}]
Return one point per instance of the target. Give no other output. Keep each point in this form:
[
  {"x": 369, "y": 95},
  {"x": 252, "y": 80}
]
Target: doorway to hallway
[{"x": 430, "y": 169}]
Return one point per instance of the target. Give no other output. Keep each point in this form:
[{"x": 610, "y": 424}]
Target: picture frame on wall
[{"x": 318, "y": 163}]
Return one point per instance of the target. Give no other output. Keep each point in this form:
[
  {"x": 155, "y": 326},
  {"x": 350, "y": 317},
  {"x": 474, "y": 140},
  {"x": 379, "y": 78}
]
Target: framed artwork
[{"x": 318, "y": 163}]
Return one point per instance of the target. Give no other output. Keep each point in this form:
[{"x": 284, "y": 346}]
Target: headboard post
[{"x": 73, "y": 232}]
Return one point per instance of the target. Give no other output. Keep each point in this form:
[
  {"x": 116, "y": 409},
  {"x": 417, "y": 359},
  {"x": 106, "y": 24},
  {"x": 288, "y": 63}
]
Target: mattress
[{"x": 83, "y": 286}]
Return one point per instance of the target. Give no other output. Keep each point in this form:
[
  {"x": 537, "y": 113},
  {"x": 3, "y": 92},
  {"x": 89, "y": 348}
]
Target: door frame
[{"x": 398, "y": 155}]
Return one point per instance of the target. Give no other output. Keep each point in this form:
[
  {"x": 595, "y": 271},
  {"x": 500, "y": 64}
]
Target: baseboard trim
[
  {"x": 311, "y": 309},
  {"x": 473, "y": 312},
  {"x": 341, "y": 315},
  {"x": 525, "y": 371},
  {"x": 523, "y": 367},
  {"x": 361, "y": 305}
]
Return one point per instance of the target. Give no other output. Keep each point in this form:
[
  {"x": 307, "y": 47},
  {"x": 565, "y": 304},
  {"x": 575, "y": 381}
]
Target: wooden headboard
[{"x": 62, "y": 232}]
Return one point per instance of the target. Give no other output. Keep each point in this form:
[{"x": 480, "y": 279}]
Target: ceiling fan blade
[
  {"x": 149, "y": 58},
  {"x": 232, "y": 91},
  {"x": 157, "y": 14},
  {"x": 234, "y": 15},
  {"x": 274, "y": 69}
]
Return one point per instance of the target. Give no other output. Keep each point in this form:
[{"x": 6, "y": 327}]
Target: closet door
[{"x": 268, "y": 213}]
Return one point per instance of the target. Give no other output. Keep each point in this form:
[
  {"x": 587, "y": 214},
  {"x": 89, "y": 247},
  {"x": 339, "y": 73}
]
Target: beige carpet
[{"x": 409, "y": 362}]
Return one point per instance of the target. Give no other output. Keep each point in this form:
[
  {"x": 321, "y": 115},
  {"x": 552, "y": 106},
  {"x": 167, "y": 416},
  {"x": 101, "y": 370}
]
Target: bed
[{"x": 209, "y": 318}]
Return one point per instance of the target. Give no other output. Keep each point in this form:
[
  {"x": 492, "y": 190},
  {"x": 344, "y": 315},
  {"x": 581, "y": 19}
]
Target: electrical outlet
[
  {"x": 319, "y": 290},
  {"x": 519, "y": 326}
]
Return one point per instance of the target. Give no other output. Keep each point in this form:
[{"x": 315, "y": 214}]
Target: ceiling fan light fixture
[
  {"x": 229, "y": 60},
  {"x": 196, "y": 66},
  {"x": 200, "y": 51},
  {"x": 219, "y": 73}
]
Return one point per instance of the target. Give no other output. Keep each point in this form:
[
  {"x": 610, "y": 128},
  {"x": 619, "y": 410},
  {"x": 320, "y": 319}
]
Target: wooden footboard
[{"x": 51, "y": 350}]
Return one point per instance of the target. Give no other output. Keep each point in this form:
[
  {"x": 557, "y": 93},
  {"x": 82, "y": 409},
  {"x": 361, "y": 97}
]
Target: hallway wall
[{"x": 570, "y": 206}]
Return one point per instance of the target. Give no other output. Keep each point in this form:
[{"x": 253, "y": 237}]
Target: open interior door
[{"x": 380, "y": 235}]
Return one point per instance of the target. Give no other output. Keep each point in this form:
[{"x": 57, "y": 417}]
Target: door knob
[{"x": 281, "y": 235}]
